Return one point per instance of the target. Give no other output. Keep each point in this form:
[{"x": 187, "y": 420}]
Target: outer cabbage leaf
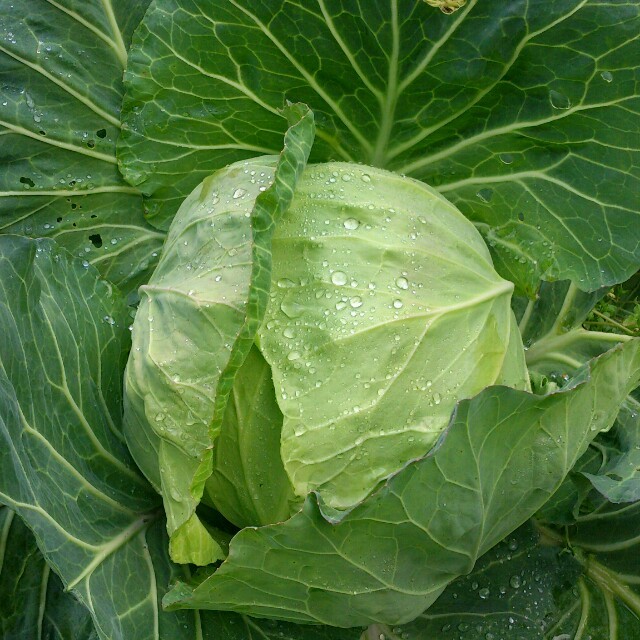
[
  {"x": 604, "y": 602},
  {"x": 195, "y": 324},
  {"x": 385, "y": 310},
  {"x": 61, "y": 66},
  {"x": 504, "y": 453},
  {"x": 33, "y": 603},
  {"x": 523, "y": 113},
  {"x": 64, "y": 467},
  {"x": 512, "y": 592}
]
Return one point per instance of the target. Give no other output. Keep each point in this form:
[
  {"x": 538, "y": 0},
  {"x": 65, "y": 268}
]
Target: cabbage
[{"x": 384, "y": 310}]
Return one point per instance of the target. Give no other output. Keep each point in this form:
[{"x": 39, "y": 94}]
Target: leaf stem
[
  {"x": 379, "y": 156},
  {"x": 611, "y": 582},
  {"x": 526, "y": 316},
  {"x": 611, "y": 322},
  {"x": 543, "y": 348},
  {"x": 569, "y": 299}
]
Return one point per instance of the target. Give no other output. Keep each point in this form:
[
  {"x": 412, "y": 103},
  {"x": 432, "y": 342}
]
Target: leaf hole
[
  {"x": 27, "y": 181},
  {"x": 96, "y": 240}
]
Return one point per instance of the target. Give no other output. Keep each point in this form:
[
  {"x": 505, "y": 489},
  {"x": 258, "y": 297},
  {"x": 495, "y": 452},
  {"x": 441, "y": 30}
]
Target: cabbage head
[{"x": 322, "y": 358}]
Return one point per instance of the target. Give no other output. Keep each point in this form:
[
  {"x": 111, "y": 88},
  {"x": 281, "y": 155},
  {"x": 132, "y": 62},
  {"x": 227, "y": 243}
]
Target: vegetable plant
[{"x": 320, "y": 320}]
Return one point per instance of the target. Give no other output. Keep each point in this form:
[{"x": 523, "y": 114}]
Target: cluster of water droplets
[{"x": 335, "y": 295}]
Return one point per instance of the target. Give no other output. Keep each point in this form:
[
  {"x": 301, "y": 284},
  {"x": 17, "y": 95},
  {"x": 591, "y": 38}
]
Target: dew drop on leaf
[
  {"x": 339, "y": 278},
  {"x": 559, "y": 100},
  {"x": 291, "y": 308},
  {"x": 485, "y": 195}
]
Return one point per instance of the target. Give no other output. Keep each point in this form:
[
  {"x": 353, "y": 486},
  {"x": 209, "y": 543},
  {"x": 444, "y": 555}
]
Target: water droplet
[
  {"x": 109, "y": 320},
  {"x": 346, "y": 177},
  {"x": 397, "y": 304},
  {"x": 339, "y": 278},
  {"x": 484, "y": 593},
  {"x": 485, "y": 195},
  {"x": 356, "y": 302},
  {"x": 159, "y": 417},
  {"x": 437, "y": 398},
  {"x": 607, "y": 76},
  {"x": 559, "y": 100},
  {"x": 515, "y": 582},
  {"x": 507, "y": 158},
  {"x": 341, "y": 305},
  {"x": 402, "y": 283},
  {"x": 366, "y": 177},
  {"x": 288, "y": 333},
  {"x": 238, "y": 193},
  {"x": 285, "y": 283},
  {"x": 291, "y": 308},
  {"x": 293, "y": 355},
  {"x": 351, "y": 223}
]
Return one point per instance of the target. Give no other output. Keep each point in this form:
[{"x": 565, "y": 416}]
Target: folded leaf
[
  {"x": 249, "y": 485},
  {"x": 196, "y": 322}
]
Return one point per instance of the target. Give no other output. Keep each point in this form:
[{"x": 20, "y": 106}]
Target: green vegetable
[{"x": 336, "y": 300}]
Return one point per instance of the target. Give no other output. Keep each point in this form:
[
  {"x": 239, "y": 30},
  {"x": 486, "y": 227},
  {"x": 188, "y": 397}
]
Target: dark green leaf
[
  {"x": 524, "y": 114},
  {"x": 604, "y": 603},
  {"x": 61, "y": 66},
  {"x": 510, "y": 594},
  {"x": 64, "y": 467},
  {"x": 33, "y": 604}
]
